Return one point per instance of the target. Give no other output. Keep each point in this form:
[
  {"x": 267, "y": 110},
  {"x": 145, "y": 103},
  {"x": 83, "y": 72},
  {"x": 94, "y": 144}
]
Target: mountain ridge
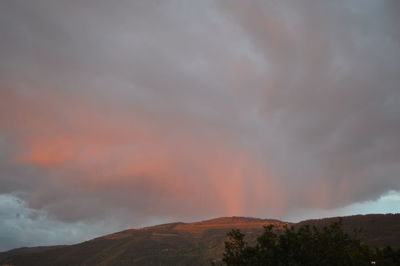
[{"x": 196, "y": 243}]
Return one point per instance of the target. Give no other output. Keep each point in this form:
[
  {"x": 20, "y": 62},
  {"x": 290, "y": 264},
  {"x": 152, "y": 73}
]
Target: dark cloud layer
[{"x": 129, "y": 113}]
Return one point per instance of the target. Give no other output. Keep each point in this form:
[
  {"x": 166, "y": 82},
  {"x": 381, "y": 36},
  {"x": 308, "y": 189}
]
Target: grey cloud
[
  {"x": 21, "y": 226},
  {"x": 337, "y": 69},
  {"x": 306, "y": 92}
]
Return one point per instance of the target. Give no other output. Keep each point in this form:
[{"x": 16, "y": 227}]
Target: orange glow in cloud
[
  {"x": 49, "y": 152},
  {"x": 200, "y": 174}
]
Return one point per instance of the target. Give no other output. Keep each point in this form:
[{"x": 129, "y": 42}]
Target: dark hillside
[
  {"x": 184, "y": 243},
  {"x": 377, "y": 230}
]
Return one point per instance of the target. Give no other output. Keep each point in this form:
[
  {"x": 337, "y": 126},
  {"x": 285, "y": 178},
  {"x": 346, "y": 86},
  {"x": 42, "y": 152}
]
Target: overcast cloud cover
[{"x": 117, "y": 114}]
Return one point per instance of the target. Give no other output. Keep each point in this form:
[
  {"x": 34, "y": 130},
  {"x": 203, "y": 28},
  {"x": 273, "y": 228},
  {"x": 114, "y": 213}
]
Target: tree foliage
[{"x": 305, "y": 245}]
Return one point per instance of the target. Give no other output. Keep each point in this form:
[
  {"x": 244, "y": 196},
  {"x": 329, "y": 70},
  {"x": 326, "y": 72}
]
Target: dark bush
[{"x": 306, "y": 245}]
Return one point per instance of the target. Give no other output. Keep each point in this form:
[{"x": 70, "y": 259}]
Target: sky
[{"x": 121, "y": 114}]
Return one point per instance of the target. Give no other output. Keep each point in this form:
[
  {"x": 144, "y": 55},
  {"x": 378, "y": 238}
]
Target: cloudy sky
[{"x": 119, "y": 114}]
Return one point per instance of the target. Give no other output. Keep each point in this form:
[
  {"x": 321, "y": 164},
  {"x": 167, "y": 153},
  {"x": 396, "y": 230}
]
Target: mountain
[{"x": 186, "y": 243}]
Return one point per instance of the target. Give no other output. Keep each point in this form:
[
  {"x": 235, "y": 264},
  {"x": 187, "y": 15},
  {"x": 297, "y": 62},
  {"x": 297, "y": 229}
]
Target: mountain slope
[
  {"x": 377, "y": 230},
  {"x": 184, "y": 243}
]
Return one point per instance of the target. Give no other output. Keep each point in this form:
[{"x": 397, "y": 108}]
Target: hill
[
  {"x": 185, "y": 243},
  {"x": 377, "y": 230}
]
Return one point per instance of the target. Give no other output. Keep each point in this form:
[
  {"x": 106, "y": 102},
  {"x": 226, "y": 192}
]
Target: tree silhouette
[{"x": 305, "y": 245}]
